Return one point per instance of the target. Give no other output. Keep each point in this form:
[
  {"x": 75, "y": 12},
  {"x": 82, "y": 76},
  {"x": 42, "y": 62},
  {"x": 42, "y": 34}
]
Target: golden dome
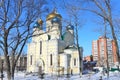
[
  {"x": 40, "y": 21},
  {"x": 52, "y": 15}
]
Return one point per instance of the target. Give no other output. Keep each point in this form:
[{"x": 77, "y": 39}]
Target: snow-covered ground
[{"x": 90, "y": 76}]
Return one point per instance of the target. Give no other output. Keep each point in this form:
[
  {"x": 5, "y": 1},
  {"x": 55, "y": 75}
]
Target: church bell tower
[{"x": 54, "y": 25}]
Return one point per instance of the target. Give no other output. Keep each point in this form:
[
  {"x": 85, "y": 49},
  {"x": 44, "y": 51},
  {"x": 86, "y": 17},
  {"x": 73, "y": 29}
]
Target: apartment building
[{"x": 100, "y": 48}]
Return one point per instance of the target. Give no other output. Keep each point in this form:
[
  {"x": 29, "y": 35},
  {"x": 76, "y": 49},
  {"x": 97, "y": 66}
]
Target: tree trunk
[
  {"x": 80, "y": 57},
  {"x": 7, "y": 60},
  {"x": 80, "y": 62},
  {"x": 107, "y": 61},
  {"x": 8, "y": 75},
  {"x": 12, "y": 74},
  {"x": 115, "y": 39},
  {"x": 8, "y": 68}
]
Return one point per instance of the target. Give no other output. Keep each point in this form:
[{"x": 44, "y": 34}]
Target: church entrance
[
  {"x": 40, "y": 70},
  {"x": 40, "y": 66}
]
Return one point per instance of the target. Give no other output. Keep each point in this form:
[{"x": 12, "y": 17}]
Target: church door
[{"x": 40, "y": 70}]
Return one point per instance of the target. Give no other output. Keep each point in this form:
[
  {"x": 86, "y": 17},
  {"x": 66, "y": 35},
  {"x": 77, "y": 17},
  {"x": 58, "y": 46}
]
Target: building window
[
  {"x": 74, "y": 61},
  {"x": 21, "y": 61},
  {"x": 31, "y": 60},
  {"x": 40, "y": 47},
  {"x": 49, "y": 37},
  {"x": 51, "y": 60}
]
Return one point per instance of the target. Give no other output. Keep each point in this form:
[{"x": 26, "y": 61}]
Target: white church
[{"x": 53, "y": 52}]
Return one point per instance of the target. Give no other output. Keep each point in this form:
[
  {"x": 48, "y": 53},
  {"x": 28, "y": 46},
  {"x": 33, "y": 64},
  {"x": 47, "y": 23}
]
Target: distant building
[
  {"x": 20, "y": 65},
  {"x": 88, "y": 58},
  {"x": 88, "y": 65},
  {"x": 100, "y": 48}
]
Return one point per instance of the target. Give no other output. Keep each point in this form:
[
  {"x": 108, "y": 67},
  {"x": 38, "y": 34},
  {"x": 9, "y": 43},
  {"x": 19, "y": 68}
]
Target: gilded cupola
[
  {"x": 53, "y": 15},
  {"x": 40, "y": 21}
]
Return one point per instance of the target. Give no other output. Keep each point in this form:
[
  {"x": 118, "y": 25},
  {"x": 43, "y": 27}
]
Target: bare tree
[
  {"x": 16, "y": 19},
  {"x": 74, "y": 18},
  {"x": 102, "y": 8},
  {"x": 117, "y": 22}
]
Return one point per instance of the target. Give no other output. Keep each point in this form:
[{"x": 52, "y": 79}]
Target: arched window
[
  {"x": 31, "y": 60},
  {"x": 74, "y": 61},
  {"x": 51, "y": 60},
  {"x": 40, "y": 47}
]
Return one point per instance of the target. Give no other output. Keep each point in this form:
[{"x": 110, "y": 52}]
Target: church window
[
  {"x": 49, "y": 37},
  {"x": 74, "y": 61},
  {"x": 62, "y": 37},
  {"x": 31, "y": 60},
  {"x": 40, "y": 47},
  {"x": 51, "y": 60}
]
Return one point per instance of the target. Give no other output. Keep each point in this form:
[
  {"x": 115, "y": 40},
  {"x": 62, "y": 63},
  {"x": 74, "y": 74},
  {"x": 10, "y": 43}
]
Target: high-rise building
[{"x": 100, "y": 48}]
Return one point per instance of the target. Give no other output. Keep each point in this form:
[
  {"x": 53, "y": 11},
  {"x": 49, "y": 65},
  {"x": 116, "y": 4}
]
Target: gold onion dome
[
  {"x": 40, "y": 21},
  {"x": 52, "y": 15}
]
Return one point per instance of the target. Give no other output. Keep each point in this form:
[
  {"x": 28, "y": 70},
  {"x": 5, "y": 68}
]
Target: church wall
[
  {"x": 63, "y": 63},
  {"x": 48, "y": 25},
  {"x": 37, "y": 62},
  {"x": 44, "y": 55},
  {"x": 31, "y": 52},
  {"x": 52, "y": 49},
  {"x": 75, "y": 68}
]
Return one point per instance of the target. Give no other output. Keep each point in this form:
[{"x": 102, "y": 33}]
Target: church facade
[{"x": 53, "y": 52}]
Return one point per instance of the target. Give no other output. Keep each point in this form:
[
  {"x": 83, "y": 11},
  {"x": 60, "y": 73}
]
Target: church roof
[
  {"x": 70, "y": 27},
  {"x": 71, "y": 47},
  {"x": 64, "y": 35},
  {"x": 38, "y": 23},
  {"x": 52, "y": 15},
  {"x": 55, "y": 20}
]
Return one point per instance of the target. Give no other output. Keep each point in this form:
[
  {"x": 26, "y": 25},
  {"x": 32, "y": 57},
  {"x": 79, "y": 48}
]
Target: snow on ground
[{"x": 22, "y": 76}]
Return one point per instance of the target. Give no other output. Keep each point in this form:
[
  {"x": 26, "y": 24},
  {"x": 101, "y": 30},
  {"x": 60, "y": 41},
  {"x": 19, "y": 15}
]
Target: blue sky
[{"x": 88, "y": 31}]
